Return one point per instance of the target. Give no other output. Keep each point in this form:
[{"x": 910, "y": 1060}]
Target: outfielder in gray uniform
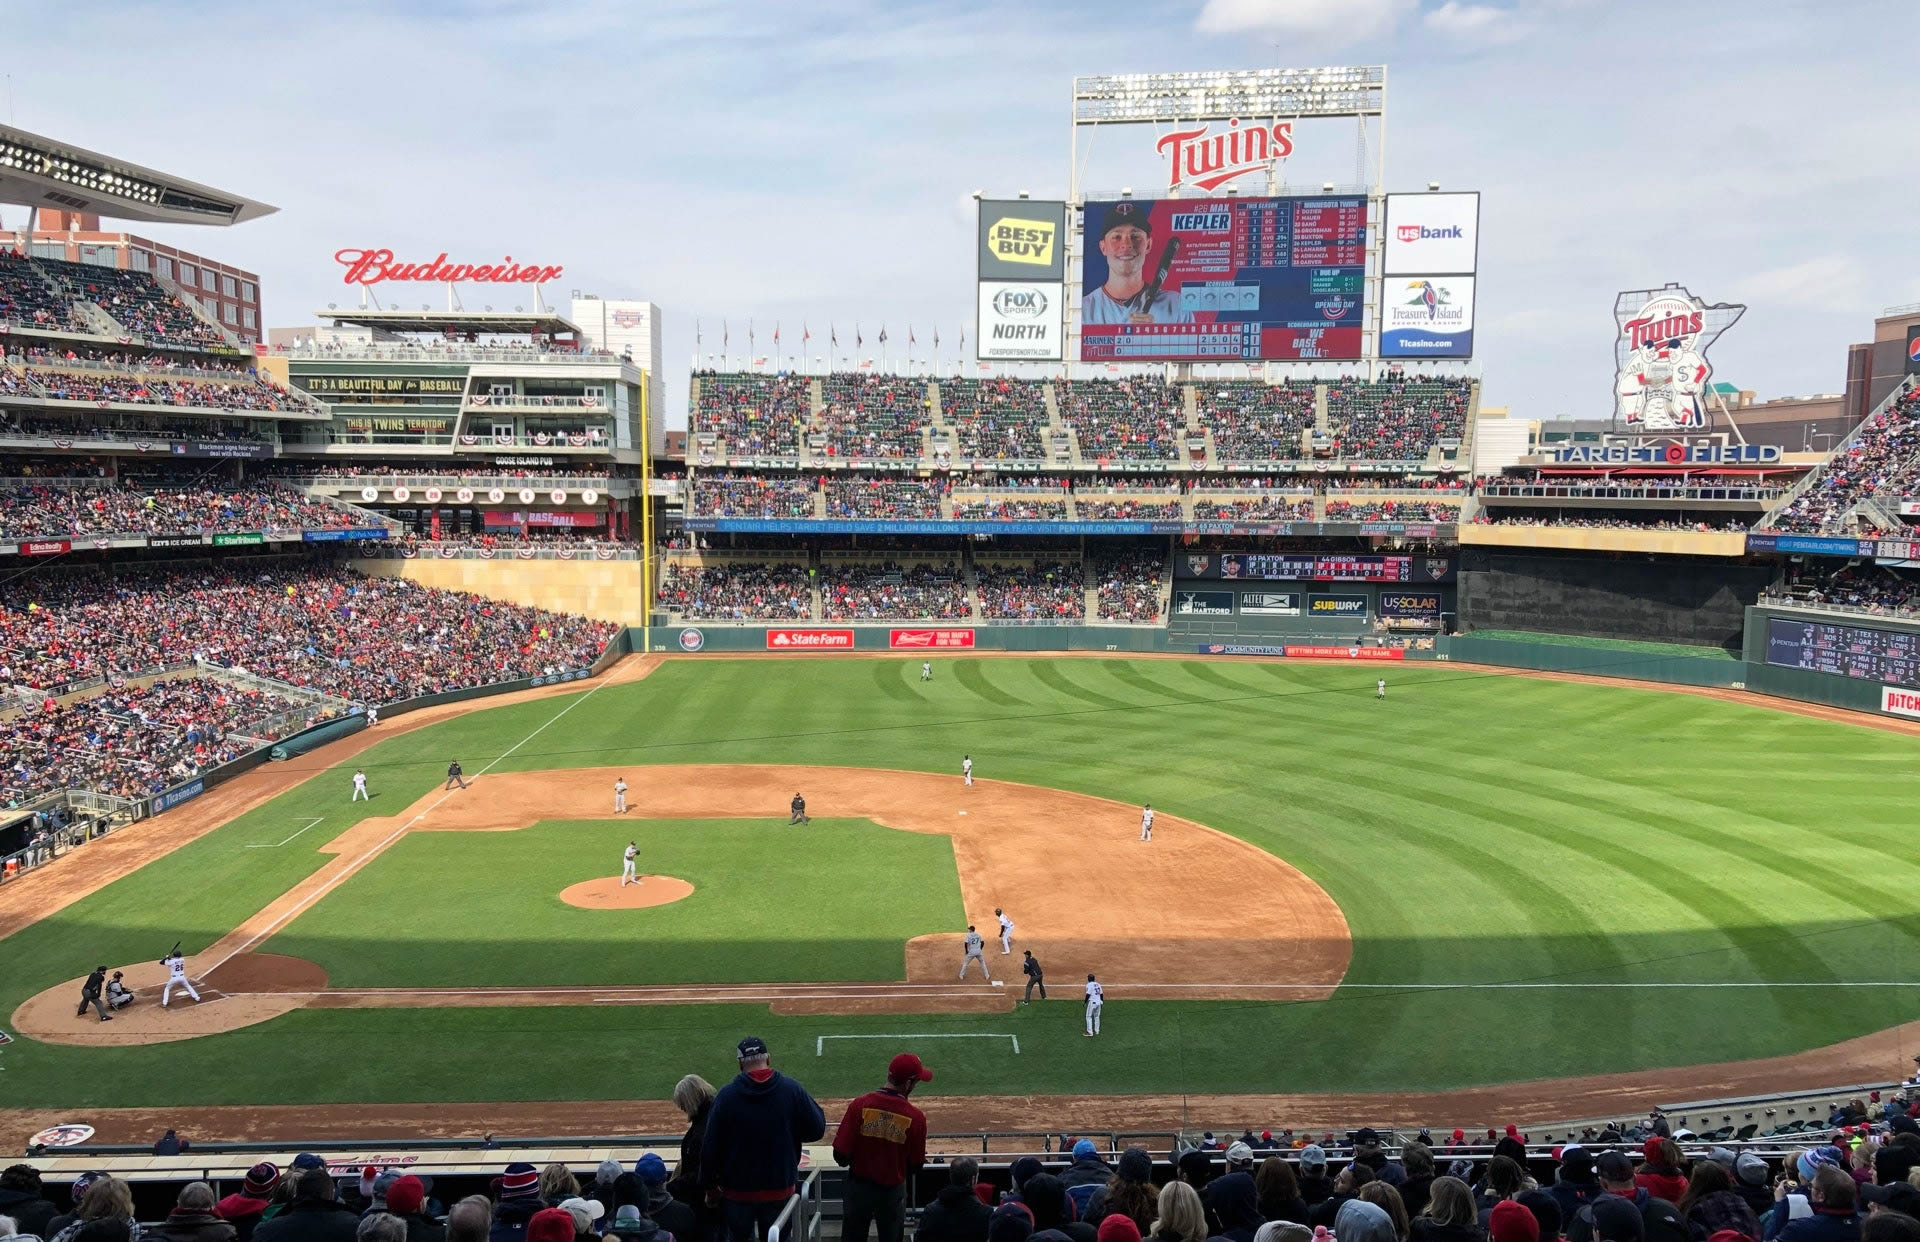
[{"x": 976, "y": 952}]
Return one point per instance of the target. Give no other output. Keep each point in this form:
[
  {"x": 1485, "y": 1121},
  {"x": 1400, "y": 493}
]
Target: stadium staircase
[
  {"x": 1090, "y": 602},
  {"x": 1320, "y": 423},
  {"x": 1166, "y": 588},
  {"x": 199, "y": 312},
  {"x": 974, "y": 611},
  {"x": 93, "y": 317}
]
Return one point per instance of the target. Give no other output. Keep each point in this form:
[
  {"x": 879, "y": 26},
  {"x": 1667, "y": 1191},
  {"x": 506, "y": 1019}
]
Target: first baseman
[
  {"x": 620, "y": 794},
  {"x": 1096, "y": 997},
  {"x": 1146, "y": 823},
  {"x": 976, "y": 952},
  {"x": 176, "y": 977},
  {"x": 627, "y": 863},
  {"x": 966, "y": 769},
  {"x": 1006, "y": 930},
  {"x": 359, "y": 788}
]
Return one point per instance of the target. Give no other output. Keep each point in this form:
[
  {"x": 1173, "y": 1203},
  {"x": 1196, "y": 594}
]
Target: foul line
[
  {"x": 820, "y": 1042},
  {"x": 277, "y": 844},
  {"x": 395, "y": 835}
]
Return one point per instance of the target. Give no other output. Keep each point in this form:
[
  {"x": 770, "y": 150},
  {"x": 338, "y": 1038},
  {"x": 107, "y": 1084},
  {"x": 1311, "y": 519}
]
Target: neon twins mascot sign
[{"x": 1661, "y": 372}]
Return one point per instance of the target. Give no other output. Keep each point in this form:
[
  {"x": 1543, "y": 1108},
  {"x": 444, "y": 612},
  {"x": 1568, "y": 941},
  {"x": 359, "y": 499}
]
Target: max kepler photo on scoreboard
[{"x": 1223, "y": 280}]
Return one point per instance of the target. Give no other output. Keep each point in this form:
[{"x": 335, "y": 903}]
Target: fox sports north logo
[
  {"x": 1020, "y": 303},
  {"x": 692, "y": 640}
]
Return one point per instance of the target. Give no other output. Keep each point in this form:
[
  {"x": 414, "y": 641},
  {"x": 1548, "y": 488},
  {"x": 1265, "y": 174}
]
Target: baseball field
[{"x": 1487, "y": 891}]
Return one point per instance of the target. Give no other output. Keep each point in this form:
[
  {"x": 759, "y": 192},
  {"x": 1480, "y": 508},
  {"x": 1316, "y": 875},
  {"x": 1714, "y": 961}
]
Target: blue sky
[{"x": 813, "y": 162}]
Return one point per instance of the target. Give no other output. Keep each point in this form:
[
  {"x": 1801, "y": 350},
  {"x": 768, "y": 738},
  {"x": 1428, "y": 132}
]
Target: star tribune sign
[{"x": 1661, "y": 372}]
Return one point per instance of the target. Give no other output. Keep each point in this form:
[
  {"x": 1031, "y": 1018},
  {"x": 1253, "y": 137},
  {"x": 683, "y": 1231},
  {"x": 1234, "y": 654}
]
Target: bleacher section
[
  {"x": 887, "y": 497},
  {"x": 1252, "y": 421},
  {"x": 859, "y": 591},
  {"x": 137, "y": 302},
  {"x": 1139, "y": 419},
  {"x": 1397, "y": 419},
  {"x": 736, "y": 591},
  {"x": 996, "y": 420},
  {"x": 727, "y": 493},
  {"x": 28, "y": 300},
  {"x": 55, "y": 509},
  {"x": 1880, "y": 462},
  {"x": 873, "y": 416},
  {"x": 756, "y": 415}
]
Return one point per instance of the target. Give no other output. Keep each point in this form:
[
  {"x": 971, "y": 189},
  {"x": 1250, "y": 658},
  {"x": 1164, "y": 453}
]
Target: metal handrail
[
  {"x": 799, "y": 1220},
  {"x": 1619, "y": 492},
  {"x": 1857, "y": 610}
]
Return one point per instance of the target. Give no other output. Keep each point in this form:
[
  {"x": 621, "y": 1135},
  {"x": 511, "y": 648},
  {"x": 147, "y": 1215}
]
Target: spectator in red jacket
[
  {"x": 1660, "y": 1175},
  {"x": 882, "y": 1142}
]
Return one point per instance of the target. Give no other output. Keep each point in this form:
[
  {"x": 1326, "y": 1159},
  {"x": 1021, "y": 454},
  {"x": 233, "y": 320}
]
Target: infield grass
[{"x": 1475, "y": 829}]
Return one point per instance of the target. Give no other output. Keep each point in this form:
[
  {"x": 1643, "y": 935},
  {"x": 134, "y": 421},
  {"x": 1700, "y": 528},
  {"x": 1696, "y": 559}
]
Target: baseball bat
[{"x": 1152, "y": 290}]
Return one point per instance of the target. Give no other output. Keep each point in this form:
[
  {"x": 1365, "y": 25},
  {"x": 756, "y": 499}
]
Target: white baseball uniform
[
  {"x": 926, "y": 670},
  {"x": 1100, "y": 307},
  {"x": 177, "y": 977},
  {"x": 360, "y": 788},
  {"x": 627, "y": 865},
  {"x": 1006, "y": 934},
  {"x": 966, "y": 770},
  {"x": 1380, "y": 689},
  {"x": 976, "y": 952},
  {"x": 620, "y": 795},
  {"x": 373, "y": 715},
  {"x": 1096, "y": 997},
  {"x": 1146, "y": 824}
]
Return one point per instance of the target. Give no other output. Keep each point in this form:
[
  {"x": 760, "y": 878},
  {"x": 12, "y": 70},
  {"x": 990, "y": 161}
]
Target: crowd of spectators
[
  {"x": 1148, "y": 509},
  {"x": 309, "y": 623},
  {"x": 873, "y": 415},
  {"x": 1391, "y": 511},
  {"x": 1010, "y": 509},
  {"x": 28, "y": 300},
  {"x": 1253, "y": 421},
  {"x": 137, "y": 303},
  {"x": 1398, "y": 418},
  {"x": 863, "y": 592},
  {"x": 1136, "y": 419},
  {"x": 247, "y": 393},
  {"x": 132, "y": 742},
  {"x": 1881, "y": 461},
  {"x": 1863, "y": 585},
  {"x": 737, "y": 591},
  {"x": 1619, "y": 520},
  {"x": 883, "y": 496},
  {"x": 729, "y": 493},
  {"x": 757, "y": 415},
  {"x": 998, "y": 419},
  {"x": 1277, "y": 508},
  {"x": 1129, "y": 586},
  {"x": 133, "y": 505},
  {"x": 1041, "y": 591},
  {"x": 72, "y": 425}
]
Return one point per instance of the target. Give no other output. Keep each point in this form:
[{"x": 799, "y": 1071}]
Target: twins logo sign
[{"x": 1661, "y": 372}]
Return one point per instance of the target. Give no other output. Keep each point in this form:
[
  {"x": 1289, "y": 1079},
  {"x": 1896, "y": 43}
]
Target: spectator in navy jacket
[
  {"x": 750, "y": 1154},
  {"x": 1831, "y": 1196}
]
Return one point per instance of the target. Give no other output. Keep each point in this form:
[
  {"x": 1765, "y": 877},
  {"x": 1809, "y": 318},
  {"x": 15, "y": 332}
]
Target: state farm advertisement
[
  {"x": 809, "y": 640},
  {"x": 930, "y": 639}
]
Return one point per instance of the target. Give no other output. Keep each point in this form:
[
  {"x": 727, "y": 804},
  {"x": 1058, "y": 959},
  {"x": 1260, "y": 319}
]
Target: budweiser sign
[
  {"x": 929, "y": 638},
  {"x": 371, "y": 267},
  {"x": 1206, "y": 160}
]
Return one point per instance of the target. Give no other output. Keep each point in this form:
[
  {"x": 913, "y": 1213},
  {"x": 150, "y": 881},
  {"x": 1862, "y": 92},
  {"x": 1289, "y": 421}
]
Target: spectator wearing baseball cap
[
  {"x": 407, "y": 1202},
  {"x": 750, "y": 1154},
  {"x": 882, "y": 1142},
  {"x": 1574, "y": 1185},
  {"x": 244, "y": 1207},
  {"x": 1315, "y": 1185},
  {"x": 956, "y": 1213},
  {"x": 519, "y": 1201},
  {"x": 315, "y": 1215},
  {"x": 1899, "y": 1197},
  {"x": 674, "y": 1216}
]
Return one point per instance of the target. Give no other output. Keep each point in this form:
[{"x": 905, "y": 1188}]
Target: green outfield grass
[
  {"x": 1475, "y": 828},
  {"x": 459, "y": 909}
]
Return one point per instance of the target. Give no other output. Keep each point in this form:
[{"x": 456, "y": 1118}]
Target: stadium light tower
[{"x": 40, "y": 172}]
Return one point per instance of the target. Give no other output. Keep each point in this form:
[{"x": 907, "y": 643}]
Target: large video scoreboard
[
  {"x": 1887, "y": 656},
  {"x": 1224, "y": 279}
]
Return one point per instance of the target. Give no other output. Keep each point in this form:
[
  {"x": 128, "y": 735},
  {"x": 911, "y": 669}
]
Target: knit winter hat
[
  {"x": 261, "y": 1179},
  {"x": 521, "y": 1181},
  {"x": 550, "y": 1225},
  {"x": 406, "y": 1196},
  {"x": 1512, "y": 1223},
  {"x": 1118, "y": 1227}
]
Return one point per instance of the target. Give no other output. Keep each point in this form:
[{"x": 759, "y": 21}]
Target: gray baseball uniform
[{"x": 976, "y": 952}]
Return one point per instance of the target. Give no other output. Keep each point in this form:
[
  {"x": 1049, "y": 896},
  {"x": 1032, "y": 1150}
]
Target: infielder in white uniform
[
  {"x": 976, "y": 952},
  {"x": 1095, "y": 998},
  {"x": 176, "y": 977},
  {"x": 1006, "y": 930},
  {"x": 966, "y": 769},
  {"x": 620, "y": 795},
  {"x": 359, "y": 788},
  {"x": 627, "y": 863},
  {"x": 373, "y": 715},
  {"x": 1146, "y": 823}
]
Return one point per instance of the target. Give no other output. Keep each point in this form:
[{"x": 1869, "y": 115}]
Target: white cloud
[
  {"x": 1334, "y": 21},
  {"x": 1834, "y": 283},
  {"x": 1476, "y": 23}
]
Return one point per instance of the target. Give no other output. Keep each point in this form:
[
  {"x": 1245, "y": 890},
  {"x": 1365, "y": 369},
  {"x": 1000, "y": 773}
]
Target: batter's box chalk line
[{"x": 820, "y": 1042}]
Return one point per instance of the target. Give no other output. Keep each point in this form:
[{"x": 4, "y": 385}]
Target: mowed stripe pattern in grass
[{"x": 1474, "y": 828}]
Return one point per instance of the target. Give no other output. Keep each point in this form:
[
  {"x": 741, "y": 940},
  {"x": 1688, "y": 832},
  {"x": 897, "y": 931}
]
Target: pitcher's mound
[{"x": 607, "y": 893}]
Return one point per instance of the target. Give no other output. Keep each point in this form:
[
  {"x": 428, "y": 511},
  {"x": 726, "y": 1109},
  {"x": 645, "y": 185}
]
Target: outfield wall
[
  {"x": 1639, "y": 598},
  {"x": 603, "y": 590}
]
